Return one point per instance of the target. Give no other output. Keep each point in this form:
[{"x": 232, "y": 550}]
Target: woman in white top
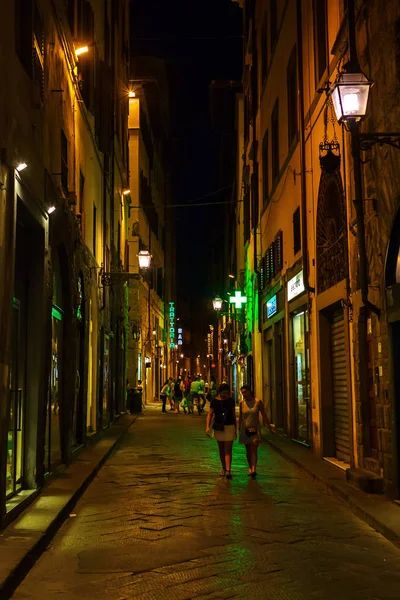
[{"x": 250, "y": 409}]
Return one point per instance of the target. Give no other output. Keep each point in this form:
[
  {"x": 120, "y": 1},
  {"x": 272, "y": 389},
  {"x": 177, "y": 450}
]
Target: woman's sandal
[
  {"x": 222, "y": 474},
  {"x": 254, "y": 475},
  {"x": 228, "y": 475}
]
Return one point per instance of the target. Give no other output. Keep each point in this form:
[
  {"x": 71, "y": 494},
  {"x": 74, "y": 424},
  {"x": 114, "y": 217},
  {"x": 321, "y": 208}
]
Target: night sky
[{"x": 201, "y": 42}]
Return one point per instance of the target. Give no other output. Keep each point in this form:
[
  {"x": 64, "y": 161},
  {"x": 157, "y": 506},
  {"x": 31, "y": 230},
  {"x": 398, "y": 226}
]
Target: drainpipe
[
  {"x": 353, "y": 66},
  {"x": 303, "y": 185}
]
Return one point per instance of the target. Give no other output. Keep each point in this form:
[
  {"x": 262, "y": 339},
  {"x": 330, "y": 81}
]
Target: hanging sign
[
  {"x": 295, "y": 286},
  {"x": 272, "y": 306},
  {"x": 172, "y": 324},
  {"x": 180, "y": 338}
]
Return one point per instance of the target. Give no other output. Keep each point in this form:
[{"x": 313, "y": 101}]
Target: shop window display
[{"x": 301, "y": 355}]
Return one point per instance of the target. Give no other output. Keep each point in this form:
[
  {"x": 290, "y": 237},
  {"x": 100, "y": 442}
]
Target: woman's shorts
[{"x": 227, "y": 435}]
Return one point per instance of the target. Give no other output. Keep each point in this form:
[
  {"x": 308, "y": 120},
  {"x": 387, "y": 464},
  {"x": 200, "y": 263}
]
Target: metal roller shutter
[{"x": 339, "y": 382}]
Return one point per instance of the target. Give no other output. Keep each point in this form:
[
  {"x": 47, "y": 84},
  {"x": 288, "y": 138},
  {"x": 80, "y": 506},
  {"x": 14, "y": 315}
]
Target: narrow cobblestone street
[{"x": 159, "y": 523}]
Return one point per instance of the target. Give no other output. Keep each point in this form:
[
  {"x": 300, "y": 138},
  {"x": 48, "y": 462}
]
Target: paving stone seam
[
  {"x": 337, "y": 492},
  {"x": 18, "y": 574}
]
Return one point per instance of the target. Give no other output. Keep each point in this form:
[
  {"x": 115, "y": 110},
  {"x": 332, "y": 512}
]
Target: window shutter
[
  {"x": 267, "y": 260},
  {"x": 279, "y": 252},
  {"x": 272, "y": 261}
]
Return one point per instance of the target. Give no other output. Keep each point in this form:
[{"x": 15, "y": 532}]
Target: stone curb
[
  {"x": 18, "y": 572},
  {"x": 379, "y": 512}
]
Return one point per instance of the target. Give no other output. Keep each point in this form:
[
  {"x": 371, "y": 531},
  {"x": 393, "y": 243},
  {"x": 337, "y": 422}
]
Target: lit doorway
[{"x": 16, "y": 409}]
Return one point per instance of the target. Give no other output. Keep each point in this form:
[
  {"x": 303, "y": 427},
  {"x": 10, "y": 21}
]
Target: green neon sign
[
  {"x": 238, "y": 299},
  {"x": 57, "y": 313},
  {"x": 172, "y": 324}
]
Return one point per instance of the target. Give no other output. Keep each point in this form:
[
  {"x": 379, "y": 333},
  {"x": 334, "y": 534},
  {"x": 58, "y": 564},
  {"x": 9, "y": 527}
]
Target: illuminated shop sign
[
  {"x": 295, "y": 286},
  {"x": 180, "y": 338},
  {"x": 272, "y": 306},
  {"x": 172, "y": 324}
]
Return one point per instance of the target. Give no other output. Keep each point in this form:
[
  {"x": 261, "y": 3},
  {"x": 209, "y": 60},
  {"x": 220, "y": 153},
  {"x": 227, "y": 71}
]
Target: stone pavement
[{"x": 159, "y": 523}]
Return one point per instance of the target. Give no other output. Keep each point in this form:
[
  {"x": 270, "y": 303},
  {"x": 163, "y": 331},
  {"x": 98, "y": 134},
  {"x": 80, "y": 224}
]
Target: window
[
  {"x": 246, "y": 217},
  {"x": 119, "y": 244},
  {"x": 397, "y": 50},
  {"x": 265, "y": 166},
  {"x": 271, "y": 252},
  {"x": 320, "y": 38},
  {"x": 278, "y": 245},
  {"x": 275, "y": 141},
  {"x": 87, "y": 62},
  {"x": 64, "y": 161},
  {"x": 264, "y": 50},
  {"x": 160, "y": 282},
  {"x": 79, "y": 309},
  {"x": 71, "y": 16},
  {"x": 38, "y": 51},
  {"x": 254, "y": 201},
  {"x": 94, "y": 229},
  {"x": 23, "y": 33},
  {"x": 273, "y": 21},
  {"x": 296, "y": 231},
  {"x": 292, "y": 97},
  {"x": 126, "y": 259},
  {"x": 29, "y": 40}
]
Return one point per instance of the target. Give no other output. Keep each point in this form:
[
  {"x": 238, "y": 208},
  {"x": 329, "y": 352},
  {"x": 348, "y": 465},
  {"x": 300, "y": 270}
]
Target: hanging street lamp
[
  {"x": 350, "y": 95},
  {"x": 217, "y": 303},
  {"x": 144, "y": 258}
]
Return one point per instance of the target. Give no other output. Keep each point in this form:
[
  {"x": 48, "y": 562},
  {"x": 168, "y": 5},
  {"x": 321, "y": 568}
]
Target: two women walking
[{"x": 222, "y": 414}]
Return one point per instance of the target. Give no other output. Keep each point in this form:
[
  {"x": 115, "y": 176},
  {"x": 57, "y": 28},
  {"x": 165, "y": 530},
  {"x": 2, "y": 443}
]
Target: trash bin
[{"x": 134, "y": 400}]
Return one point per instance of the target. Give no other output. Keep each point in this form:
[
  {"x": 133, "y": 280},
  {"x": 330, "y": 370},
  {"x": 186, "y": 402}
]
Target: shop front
[
  {"x": 274, "y": 358},
  {"x": 26, "y": 331},
  {"x": 392, "y": 281},
  {"x": 299, "y": 360}
]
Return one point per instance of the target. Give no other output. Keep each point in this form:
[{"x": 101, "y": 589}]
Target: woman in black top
[{"x": 222, "y": 408}]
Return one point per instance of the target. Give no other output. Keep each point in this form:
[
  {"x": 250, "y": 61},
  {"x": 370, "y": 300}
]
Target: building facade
[
  {"x": 321, "y": 324},
  {"x": 63, "y": 165},
  {"x": 152, "y": 317}
]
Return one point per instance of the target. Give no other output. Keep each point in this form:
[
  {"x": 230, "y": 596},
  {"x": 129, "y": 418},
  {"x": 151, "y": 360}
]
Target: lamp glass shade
[
  {"x": 350, "y": 96},
  {"x": 144, "y": 258},
  {"x": 81, "y": 50},
  {"x": 217, "y": 303}
]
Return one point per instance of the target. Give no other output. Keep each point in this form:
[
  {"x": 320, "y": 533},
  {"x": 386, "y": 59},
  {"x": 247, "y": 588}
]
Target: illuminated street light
[
  {"x": 350, "y": 96},
  {"x": 132, "y": 94},
  {"x": 51, "y": 209},
  {"x": 21, "y": 166},
  {"x": 231, "y": 276},
  {"x": 238, "y": 299},
  {"x": 126, "y": 192},
  {"x": 217, "y": 303},
  {"x": 144, "y": 258},
  {"x": 81, "y": 50}
]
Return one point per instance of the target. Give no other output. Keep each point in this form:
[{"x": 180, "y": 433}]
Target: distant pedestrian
[
  {"x": 250, "y": 409},
  {"x": 202, "y": 395},
  {"x": 178, "y": 393},
  {"x": 223, "y": 410},
  {"x": 165, "y": 393},
  {"x": 212, "y": 389}
]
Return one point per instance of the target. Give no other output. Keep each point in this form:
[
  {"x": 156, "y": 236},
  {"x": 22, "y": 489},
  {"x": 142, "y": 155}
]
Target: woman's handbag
[
  {"x": 220, "y": 426},
  {"x": 250, "y": 431}
]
